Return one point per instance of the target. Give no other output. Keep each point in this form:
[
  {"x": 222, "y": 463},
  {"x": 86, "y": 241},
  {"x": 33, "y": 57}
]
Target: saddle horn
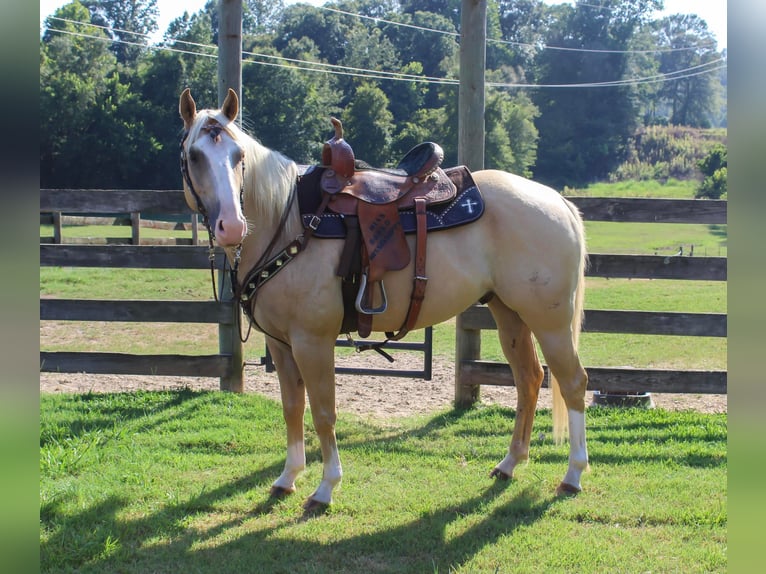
[{"x": 337, "y": 153}]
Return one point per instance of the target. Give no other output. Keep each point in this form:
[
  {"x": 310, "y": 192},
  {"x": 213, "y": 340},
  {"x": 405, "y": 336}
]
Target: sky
[{"x": 712, "y": 11}]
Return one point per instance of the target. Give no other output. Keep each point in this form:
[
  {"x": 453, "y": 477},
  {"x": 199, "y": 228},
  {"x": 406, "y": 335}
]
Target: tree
[
  {"x": 511, "y": 135},
  {"x": 692, "y": 99},
  {"x": 714, "y": 167},
  {"x": 129, "y": 22},
  {"x": 437, "y": 54},
  {"x": 289, "y": 109},
  {"x": 369, "y": 125},
  {"x": 72, "y": 72},
  {"x": 325, "y": 28},
  {"x": 585, "y": 131},
  {"x": 261, "y": 16}
]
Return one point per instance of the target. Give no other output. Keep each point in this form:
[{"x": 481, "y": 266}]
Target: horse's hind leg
[
  {"x": 519, "y": 348},
  {"x": 561, "y": 356},
  {"x": 293, "y": 407}
]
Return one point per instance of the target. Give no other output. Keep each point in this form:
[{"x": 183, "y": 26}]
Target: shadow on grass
[
  {"x": 203, "y": 534},
  {"x": 421, "y": 545},
  {"x": 119, "y": 408}
]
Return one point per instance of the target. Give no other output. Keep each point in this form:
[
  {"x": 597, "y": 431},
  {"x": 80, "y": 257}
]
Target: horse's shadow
[{"x": 423, "y": 543}]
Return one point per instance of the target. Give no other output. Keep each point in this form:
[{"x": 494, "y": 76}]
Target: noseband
[{"x": 214, "y": 129}]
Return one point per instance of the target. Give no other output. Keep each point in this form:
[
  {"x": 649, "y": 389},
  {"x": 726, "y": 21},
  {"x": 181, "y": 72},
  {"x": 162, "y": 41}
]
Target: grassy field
[{"x": 178, "y": 482}]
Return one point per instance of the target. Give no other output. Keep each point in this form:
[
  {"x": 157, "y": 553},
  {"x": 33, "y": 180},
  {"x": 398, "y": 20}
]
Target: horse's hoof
[
  {"x": 280, "y": 492},
  {"x": 565, "y": 489},
  {"x": 314, "y": 508},
  {"x": 499, "y": 474}
]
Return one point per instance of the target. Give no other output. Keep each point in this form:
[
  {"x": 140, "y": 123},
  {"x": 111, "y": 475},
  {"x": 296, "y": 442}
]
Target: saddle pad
[{"x": 468, "y": 205}]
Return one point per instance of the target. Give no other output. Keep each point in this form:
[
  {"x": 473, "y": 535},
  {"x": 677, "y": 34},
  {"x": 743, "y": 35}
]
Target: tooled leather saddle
[{"x": 373, "y": 209}]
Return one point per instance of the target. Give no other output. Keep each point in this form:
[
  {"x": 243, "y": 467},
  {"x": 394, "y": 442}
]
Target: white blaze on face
[{"x": 216, "y": 161}]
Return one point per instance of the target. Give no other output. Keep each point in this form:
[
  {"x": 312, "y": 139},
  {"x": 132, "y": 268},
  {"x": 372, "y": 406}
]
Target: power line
[
  {"x": 521, "y": 44},
  {"x": 335, "y": 69}
]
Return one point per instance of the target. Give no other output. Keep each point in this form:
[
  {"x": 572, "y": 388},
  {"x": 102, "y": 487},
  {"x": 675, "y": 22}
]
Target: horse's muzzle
[{"x": 229, "y": 232}]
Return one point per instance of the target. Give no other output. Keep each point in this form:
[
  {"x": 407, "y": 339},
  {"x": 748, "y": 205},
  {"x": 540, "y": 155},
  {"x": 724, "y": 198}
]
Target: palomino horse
[{"x": 527, "y": 252}]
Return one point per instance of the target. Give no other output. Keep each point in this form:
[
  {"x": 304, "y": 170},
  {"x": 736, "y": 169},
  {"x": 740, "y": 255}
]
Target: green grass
[
  {"x": 656, "y": 238},
  {"x": 671, "y": 189},
  {"x": 108, "y": 283},
  {"x": 178, "y": 482},
  {"x": 122, "y": 231}
]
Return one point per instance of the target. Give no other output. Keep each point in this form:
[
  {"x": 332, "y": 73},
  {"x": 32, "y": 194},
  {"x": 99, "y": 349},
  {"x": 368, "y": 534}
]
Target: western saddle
[{"x": 369, "y": 201}]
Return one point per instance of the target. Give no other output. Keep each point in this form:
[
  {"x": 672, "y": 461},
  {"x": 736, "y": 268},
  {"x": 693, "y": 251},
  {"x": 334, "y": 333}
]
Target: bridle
[
  {"x": 266, "y": 267},
  {"x": 214, "y": 130}
]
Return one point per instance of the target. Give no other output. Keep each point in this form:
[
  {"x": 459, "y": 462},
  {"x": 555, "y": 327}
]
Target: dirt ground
[{"x": 377, "y": 397}]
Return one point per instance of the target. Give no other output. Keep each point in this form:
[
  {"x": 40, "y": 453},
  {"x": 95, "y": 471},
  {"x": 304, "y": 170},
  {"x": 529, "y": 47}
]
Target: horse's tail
[{"x": 560, "y": 417}]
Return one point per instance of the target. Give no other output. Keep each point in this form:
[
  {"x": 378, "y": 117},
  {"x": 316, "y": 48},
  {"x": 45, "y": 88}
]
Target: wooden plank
[
  {"x": 126, "y": 364},
  {"x": 657, "y": 267},
  {"x": 647, "y": 210},
  {"x": 133, "y": 256},
  {"x": 611, "y": 379},
  {"x": 135, "y": 311},
  {"x": 113, "y": 201},
  {"x": 479, "y": 317},
  {"x": 656, "y": 323}
]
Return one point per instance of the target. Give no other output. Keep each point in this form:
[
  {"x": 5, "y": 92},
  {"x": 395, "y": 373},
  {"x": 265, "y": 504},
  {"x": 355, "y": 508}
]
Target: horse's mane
[{"x": 269, "y": 175}]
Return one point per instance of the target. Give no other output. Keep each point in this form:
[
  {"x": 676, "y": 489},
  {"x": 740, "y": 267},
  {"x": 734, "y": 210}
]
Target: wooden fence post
[
  {"x": 467, "y": 348},
  {"x": 135, "y": 224},
  {"x": 229, "y": 341}
]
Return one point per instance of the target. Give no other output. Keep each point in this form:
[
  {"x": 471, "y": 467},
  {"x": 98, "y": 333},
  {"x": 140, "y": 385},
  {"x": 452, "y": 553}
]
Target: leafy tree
[
  {"x": 511, "y": 136},
  {"x": 437, "y": 54},
  {"x": 369, "y": 125},
  {"x": 368, "y": 49},
  {"x": 326, "y": 29},
  {"x": 585, "y": 131},
  {"x": 448, "y": 8},
  {"x": 72, "y": 72},
  {"x": 692, "y": 99},
  {"x": 261, "y": 16},
  {"x": 129, "y": 21},
  {"x": 406, "y": 97},
  {"x": 425, "y": 124},
  {"x": 714, "y": 167},
  {"x": 193, "y": 35},
  {"x": 288, "y": 109}
]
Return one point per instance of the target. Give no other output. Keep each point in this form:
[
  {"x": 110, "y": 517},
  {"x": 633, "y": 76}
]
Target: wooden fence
[
  {"x": 472, "y": 372},
  {"x": 182, "y": 253},
  {"x": 61, "y": 207}
]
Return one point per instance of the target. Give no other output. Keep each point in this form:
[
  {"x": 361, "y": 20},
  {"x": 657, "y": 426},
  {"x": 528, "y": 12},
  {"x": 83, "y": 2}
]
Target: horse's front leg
[
  {"x": 316, "y": 360},
  {"x": 293, "y": 408}
]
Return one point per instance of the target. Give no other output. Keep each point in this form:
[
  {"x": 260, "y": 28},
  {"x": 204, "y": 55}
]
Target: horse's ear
[
  {"x": 187, "y": 108},
  {"x": 230, "y": 107}
]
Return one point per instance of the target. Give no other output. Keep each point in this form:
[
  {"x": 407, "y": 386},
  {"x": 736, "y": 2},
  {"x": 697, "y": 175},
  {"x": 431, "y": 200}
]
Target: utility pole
[
  {"x": 473, "y": 60},
  {"x": 229, "y": 48},
  {"x": 470, "y": 152}
]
